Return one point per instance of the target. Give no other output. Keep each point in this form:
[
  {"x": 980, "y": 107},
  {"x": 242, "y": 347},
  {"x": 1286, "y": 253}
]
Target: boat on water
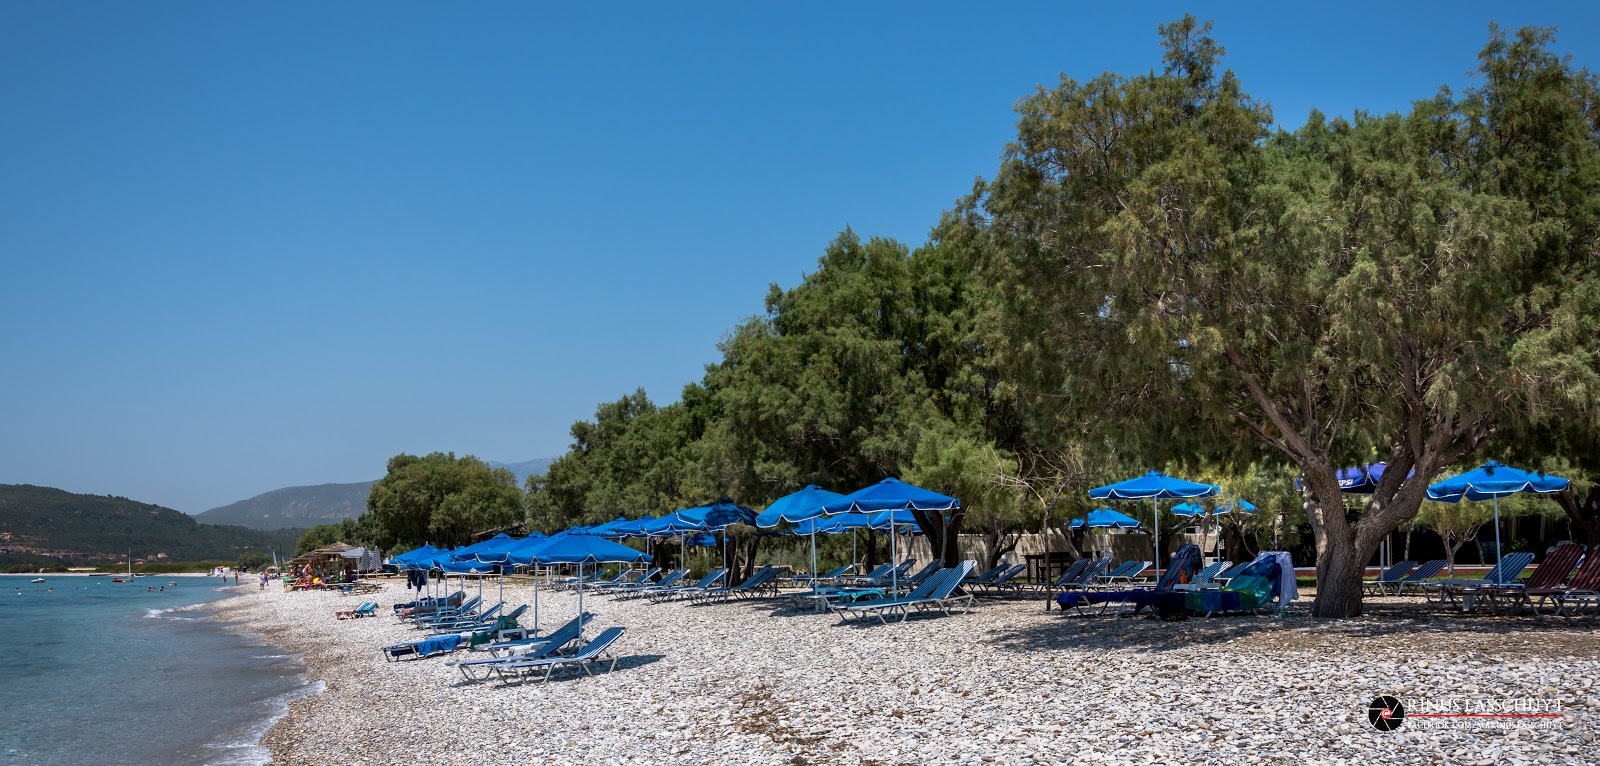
[
  {"x": 37, "y": 580},
  {"x": 129, "y": 577}
]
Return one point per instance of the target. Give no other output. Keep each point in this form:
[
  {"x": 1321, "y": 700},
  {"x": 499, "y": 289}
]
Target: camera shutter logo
[{"x": 1386, "y": 713}]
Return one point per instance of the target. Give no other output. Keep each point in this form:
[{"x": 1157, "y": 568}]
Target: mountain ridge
[{"x": 312, "y": 505}]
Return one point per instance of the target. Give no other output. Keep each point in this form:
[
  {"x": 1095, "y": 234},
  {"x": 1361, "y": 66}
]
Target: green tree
[
  {"x": 1388, "y": 283},
  {"x": 252, "y": 561},
  {"x": 440, "y": 498}
]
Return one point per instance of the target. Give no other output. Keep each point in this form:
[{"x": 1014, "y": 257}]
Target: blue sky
[{"x": 247, "y": 246}]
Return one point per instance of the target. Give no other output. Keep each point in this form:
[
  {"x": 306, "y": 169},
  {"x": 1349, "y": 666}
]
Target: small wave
[
  {"x": 270, "y": 656},
  {"x": 246, "y": 749}
]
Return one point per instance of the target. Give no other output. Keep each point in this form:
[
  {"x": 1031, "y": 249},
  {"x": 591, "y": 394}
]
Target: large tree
[
  {"x": 442, "y": 499},
  {"x": 1405, "y": 284}
]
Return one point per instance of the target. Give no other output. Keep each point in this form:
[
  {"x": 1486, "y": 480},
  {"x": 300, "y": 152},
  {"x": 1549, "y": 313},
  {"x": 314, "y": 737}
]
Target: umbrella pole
[
  {"x": 813, "y": 554},
  {"x": 536, "y": 599},
  {"x": 580, "y": 599},
  {"x": 1155, "y": 513},
  {"x": 1497, "y": 552}
]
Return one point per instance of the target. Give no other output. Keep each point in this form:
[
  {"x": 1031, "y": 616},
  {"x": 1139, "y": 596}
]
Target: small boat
[{"x": 37, "y": 580}]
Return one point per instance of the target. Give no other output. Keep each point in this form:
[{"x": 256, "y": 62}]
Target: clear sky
[{"x": 252, "y": 245}]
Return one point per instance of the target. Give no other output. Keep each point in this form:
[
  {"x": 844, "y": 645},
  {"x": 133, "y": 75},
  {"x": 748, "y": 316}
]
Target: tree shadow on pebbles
[{"x": 1391, "y": 626}]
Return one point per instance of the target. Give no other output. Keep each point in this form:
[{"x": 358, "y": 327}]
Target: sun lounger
[
  {"x": 367, "y": 609},
  {"x": 883, "y": 575},
  {"x": 1123, "y": 576},
  {"x": 1208, "y": 575},
  {"x": 642, "y": 579},
  {"x": 759, "y": 583},
  {"x": 1263, "y": 586},
  {"x": 471, "y": 618},
  {"x": 1086, "y": 576},
  {"x": 1004, "y": 581},
  {"x": 1222, "y": 579},
  {"x": 1068, "y": 576},
  {"x": 1581, "y": 594},
  {"x": 937, "y": 592},
  {"x": 833, "y": 574},
  {"x": 428, "y": 605},
  {"x": 1389, "y": 577},
  {"x": 595, "y": 652},
  {"x": 463, "y": 609},
  {"x": 1418, "y": 578},
  {"x": 1463, "y": 592},
  {"x": 1185, "y": 562},
  {"x": 521, "y": 649},
  {"x": 658, "y": 595},
  {"x": 669, "y": 580},
  {"x": 987, "y": 576},
  {"x": 1549, "y": 585}
]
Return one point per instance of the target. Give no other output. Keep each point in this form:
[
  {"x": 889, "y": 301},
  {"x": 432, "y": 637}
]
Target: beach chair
[
  {"x": 922, "y": 574},
  {"x": 1207, "y": 576},
  {"x": 1463, "y": 592},
  {"x": 1418, "y": 577},
  {"x": 1185, "y": 562},
  {"x": 367, "y": 609},
  {"x": 1583, "y": 592},
  {"x": 462, "y": 609},
  {"x": 1393, "y": 576},
  {"x": 427, "y": 606},
  {"x": 937, "y": 592},
  {"x": 809, "y": 579},
  {"x": 643, "y": 578},
  {"x": 440, "y": 624},
  {"x": 1259, "y": 588},
  {"x": 1123, "y": 576},
  {"x": 521, "y": 649},
  {"x": 1002, "y": 581},
  {"x": 987, "y": 576},
  {"x": 657, "y": 595},
  {"x": 487, "y": 623},
  {"x": 1222, "y": 579},
  {"x": 1085, "y": 579},
  {"x": 1548, "y": 577},
  {"x": 1068, "y": 576},
  {"x": 668, "y": 580},
  {"x": 883, "y": 575},
  {"x": 596, "y": 652},
  {"x": 757, "y": 581}
]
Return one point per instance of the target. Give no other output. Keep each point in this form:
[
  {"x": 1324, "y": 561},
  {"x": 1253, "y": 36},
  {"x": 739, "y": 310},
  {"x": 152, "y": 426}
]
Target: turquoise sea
[{"x": 96, "y": 672}]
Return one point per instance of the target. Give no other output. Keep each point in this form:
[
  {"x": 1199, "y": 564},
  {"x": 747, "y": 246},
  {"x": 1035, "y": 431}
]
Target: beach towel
[{"x": 437, "y": 645}]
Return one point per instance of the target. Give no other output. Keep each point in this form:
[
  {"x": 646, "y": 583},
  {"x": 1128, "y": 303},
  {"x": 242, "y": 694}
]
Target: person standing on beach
[{"x": 235, "y": 578}]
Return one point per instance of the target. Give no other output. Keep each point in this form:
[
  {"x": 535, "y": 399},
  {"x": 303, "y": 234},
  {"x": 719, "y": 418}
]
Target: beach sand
[{"x": 749, "y": 683}]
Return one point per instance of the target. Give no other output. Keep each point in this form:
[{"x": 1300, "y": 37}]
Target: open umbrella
[
  {"x": 1104, "y": 518},
  {"x": 585, "y": 549},
  {"x": 1493, "y": 481},
  {"x": 1156, "y": 486},
  {"x": 805, "y": 506},
  {"x": 891, "y": 494}
]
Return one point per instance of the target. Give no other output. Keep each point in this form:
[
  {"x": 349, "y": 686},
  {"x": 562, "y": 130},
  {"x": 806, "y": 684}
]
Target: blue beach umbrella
[
  {"x": 603, "y": 530},
  {"x": 1155, "y": 486},
  {"x": 1493, "y": 481},
  {"x": 803, "y": 507},
  {"x": 1104, "y": 518},
  {"x": 582, "y": 550},
  {"x": 891, "y": 494}
]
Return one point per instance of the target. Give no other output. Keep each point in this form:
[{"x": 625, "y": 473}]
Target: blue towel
[{"x": 437, "y": 645}]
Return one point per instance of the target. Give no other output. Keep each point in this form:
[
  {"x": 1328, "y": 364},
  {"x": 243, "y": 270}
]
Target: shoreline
[{"x": 1007, "y": 683}]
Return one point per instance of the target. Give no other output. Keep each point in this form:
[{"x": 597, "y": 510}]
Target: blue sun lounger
[
  {"x": 833, "y": 574},
  {"x": 521, "y": 649},
  {"x": 1389, "y": 577},
  {"x": 937, "y": 592},
  {"x": 657, "y": 595},
  {"x": 595, "y": 652},
  {"x": 1418, "y": 577}
]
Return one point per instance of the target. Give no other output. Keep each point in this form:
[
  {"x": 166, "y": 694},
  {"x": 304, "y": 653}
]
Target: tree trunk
[
  {"x": 1340, "y": 570},
  {"x": 1583, "y": 515}
]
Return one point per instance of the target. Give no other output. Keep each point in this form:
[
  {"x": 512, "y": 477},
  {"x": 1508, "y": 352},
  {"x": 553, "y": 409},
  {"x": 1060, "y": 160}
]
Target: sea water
[{"x": 96, "y": 672}]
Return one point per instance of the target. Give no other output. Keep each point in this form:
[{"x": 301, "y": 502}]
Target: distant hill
[
  {"x": 300, "y": 507},
  {"x": 46, "y": 521},
  {"x": 309, "y": 506},
  {"x": 526, "y": 468}
]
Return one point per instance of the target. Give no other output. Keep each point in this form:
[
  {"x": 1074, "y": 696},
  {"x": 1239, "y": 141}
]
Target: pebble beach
[{"x": 754, "y": 682}]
